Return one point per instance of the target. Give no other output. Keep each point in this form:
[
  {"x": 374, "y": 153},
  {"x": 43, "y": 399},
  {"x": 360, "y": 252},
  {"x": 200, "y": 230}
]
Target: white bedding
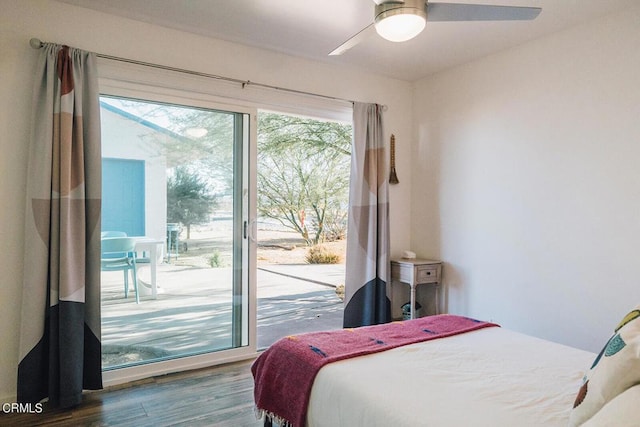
[{"x": 489, "y": 377}]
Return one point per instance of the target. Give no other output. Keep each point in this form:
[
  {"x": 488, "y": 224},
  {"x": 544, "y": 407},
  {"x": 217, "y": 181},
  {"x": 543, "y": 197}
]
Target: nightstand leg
[{"x": 413, "y": 301}]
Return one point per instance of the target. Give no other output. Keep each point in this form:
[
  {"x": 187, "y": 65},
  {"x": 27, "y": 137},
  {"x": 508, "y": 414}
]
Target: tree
[
  {"x": 189, "y": 201},
  {"x": 303, "y": 174},
  {"x": 303, "y": 168},
  {"x": 212, "y": 152}
]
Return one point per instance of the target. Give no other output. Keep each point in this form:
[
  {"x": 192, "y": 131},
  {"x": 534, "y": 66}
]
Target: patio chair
[
  {"x": 118, "y": 253},
  {"x": 173, "y": 240}
]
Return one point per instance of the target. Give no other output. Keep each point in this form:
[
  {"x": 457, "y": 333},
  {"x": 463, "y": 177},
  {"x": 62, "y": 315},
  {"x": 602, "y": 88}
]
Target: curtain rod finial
[{"x": 35, "y": 43}]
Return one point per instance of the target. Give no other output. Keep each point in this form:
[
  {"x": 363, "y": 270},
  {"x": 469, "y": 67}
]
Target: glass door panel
[{"x": 191, "y": 181}]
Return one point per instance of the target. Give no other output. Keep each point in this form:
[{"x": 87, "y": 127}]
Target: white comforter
[{"x": 490, "y": 377}]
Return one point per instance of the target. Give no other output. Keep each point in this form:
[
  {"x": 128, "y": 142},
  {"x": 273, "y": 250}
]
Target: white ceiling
[{"x": 313, "y": 28}]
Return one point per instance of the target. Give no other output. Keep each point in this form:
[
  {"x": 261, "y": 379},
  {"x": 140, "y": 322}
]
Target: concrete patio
[{"x": 192, "y": 313}]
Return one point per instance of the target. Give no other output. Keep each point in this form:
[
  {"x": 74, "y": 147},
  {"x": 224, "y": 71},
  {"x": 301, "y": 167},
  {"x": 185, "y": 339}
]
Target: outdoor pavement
[
  {"x": 193, "y": 311},
  {"x": 293, "y": 299}
]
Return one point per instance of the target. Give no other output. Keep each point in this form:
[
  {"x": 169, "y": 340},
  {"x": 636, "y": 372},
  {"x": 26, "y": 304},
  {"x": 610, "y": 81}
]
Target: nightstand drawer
[{"x": 427, "y": 274}]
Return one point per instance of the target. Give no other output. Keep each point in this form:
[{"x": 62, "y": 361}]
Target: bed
[{"x": 484, "y": 375}]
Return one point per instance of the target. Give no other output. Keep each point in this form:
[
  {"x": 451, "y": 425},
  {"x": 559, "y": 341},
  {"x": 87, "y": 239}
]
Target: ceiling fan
[{"x": 399, "y": 21}]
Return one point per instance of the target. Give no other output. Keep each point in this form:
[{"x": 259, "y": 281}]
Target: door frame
[{"x": 185, "y": 97}]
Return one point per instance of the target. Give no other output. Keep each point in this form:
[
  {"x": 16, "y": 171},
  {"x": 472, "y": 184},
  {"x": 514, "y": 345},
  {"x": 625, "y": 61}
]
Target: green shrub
[
  {"x": 215, "y": 260},
  {"x": 319, "y": 254}
]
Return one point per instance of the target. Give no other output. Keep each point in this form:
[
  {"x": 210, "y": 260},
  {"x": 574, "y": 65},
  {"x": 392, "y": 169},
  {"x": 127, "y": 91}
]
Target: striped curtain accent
[
  {"x": 367, "y": 286},
  {"x": 60, "y": 352}
]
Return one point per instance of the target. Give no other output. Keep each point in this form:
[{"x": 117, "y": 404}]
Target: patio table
[{"x": 151, "y": 245}]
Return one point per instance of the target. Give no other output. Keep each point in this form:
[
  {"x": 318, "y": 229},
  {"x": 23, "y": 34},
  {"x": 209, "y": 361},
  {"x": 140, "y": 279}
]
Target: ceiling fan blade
[
  {"x": 354, "y": 40},
  {"x": 479, "y": 12}
]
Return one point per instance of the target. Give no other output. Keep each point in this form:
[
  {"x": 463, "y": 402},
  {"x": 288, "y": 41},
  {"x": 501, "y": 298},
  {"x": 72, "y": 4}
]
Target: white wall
[
  {"x": 526, "y": 180},
  {"x": 62, "y": 23}
]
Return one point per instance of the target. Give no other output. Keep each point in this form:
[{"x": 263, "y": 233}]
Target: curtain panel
[
  {"x": 60, "y": 352},
  {"x": 367, "y": 286}
]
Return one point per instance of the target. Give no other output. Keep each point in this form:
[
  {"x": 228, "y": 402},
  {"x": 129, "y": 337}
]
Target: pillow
[
  {"x": 621, "y": 411},
  {"x": 616, "y": 369}
]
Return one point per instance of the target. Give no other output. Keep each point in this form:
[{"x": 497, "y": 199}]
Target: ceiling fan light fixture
[{"x": 399, "y": 22}]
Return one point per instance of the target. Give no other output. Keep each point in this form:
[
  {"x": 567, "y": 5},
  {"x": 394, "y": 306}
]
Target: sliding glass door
[{"x": 176, "y": 179}]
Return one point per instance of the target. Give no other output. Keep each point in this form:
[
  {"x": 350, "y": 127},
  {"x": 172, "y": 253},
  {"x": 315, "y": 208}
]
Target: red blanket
[{"x": 284, "y": 373}]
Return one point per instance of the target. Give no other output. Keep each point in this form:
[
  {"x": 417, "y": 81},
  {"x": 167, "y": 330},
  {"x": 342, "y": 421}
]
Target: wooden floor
[{"x": 220, "y": 396}]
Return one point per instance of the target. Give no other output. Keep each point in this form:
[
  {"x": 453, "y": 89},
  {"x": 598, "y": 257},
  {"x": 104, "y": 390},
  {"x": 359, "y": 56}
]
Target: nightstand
[{"x": 414, "y": 272}]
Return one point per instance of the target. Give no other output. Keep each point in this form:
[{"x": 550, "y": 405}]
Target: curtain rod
[{"x": 37, "y": 44}]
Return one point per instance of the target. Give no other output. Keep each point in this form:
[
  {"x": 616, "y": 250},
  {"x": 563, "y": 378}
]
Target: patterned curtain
[
  {"x": 367, "y": 293},
  {"x": 60, "y": 353}
]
